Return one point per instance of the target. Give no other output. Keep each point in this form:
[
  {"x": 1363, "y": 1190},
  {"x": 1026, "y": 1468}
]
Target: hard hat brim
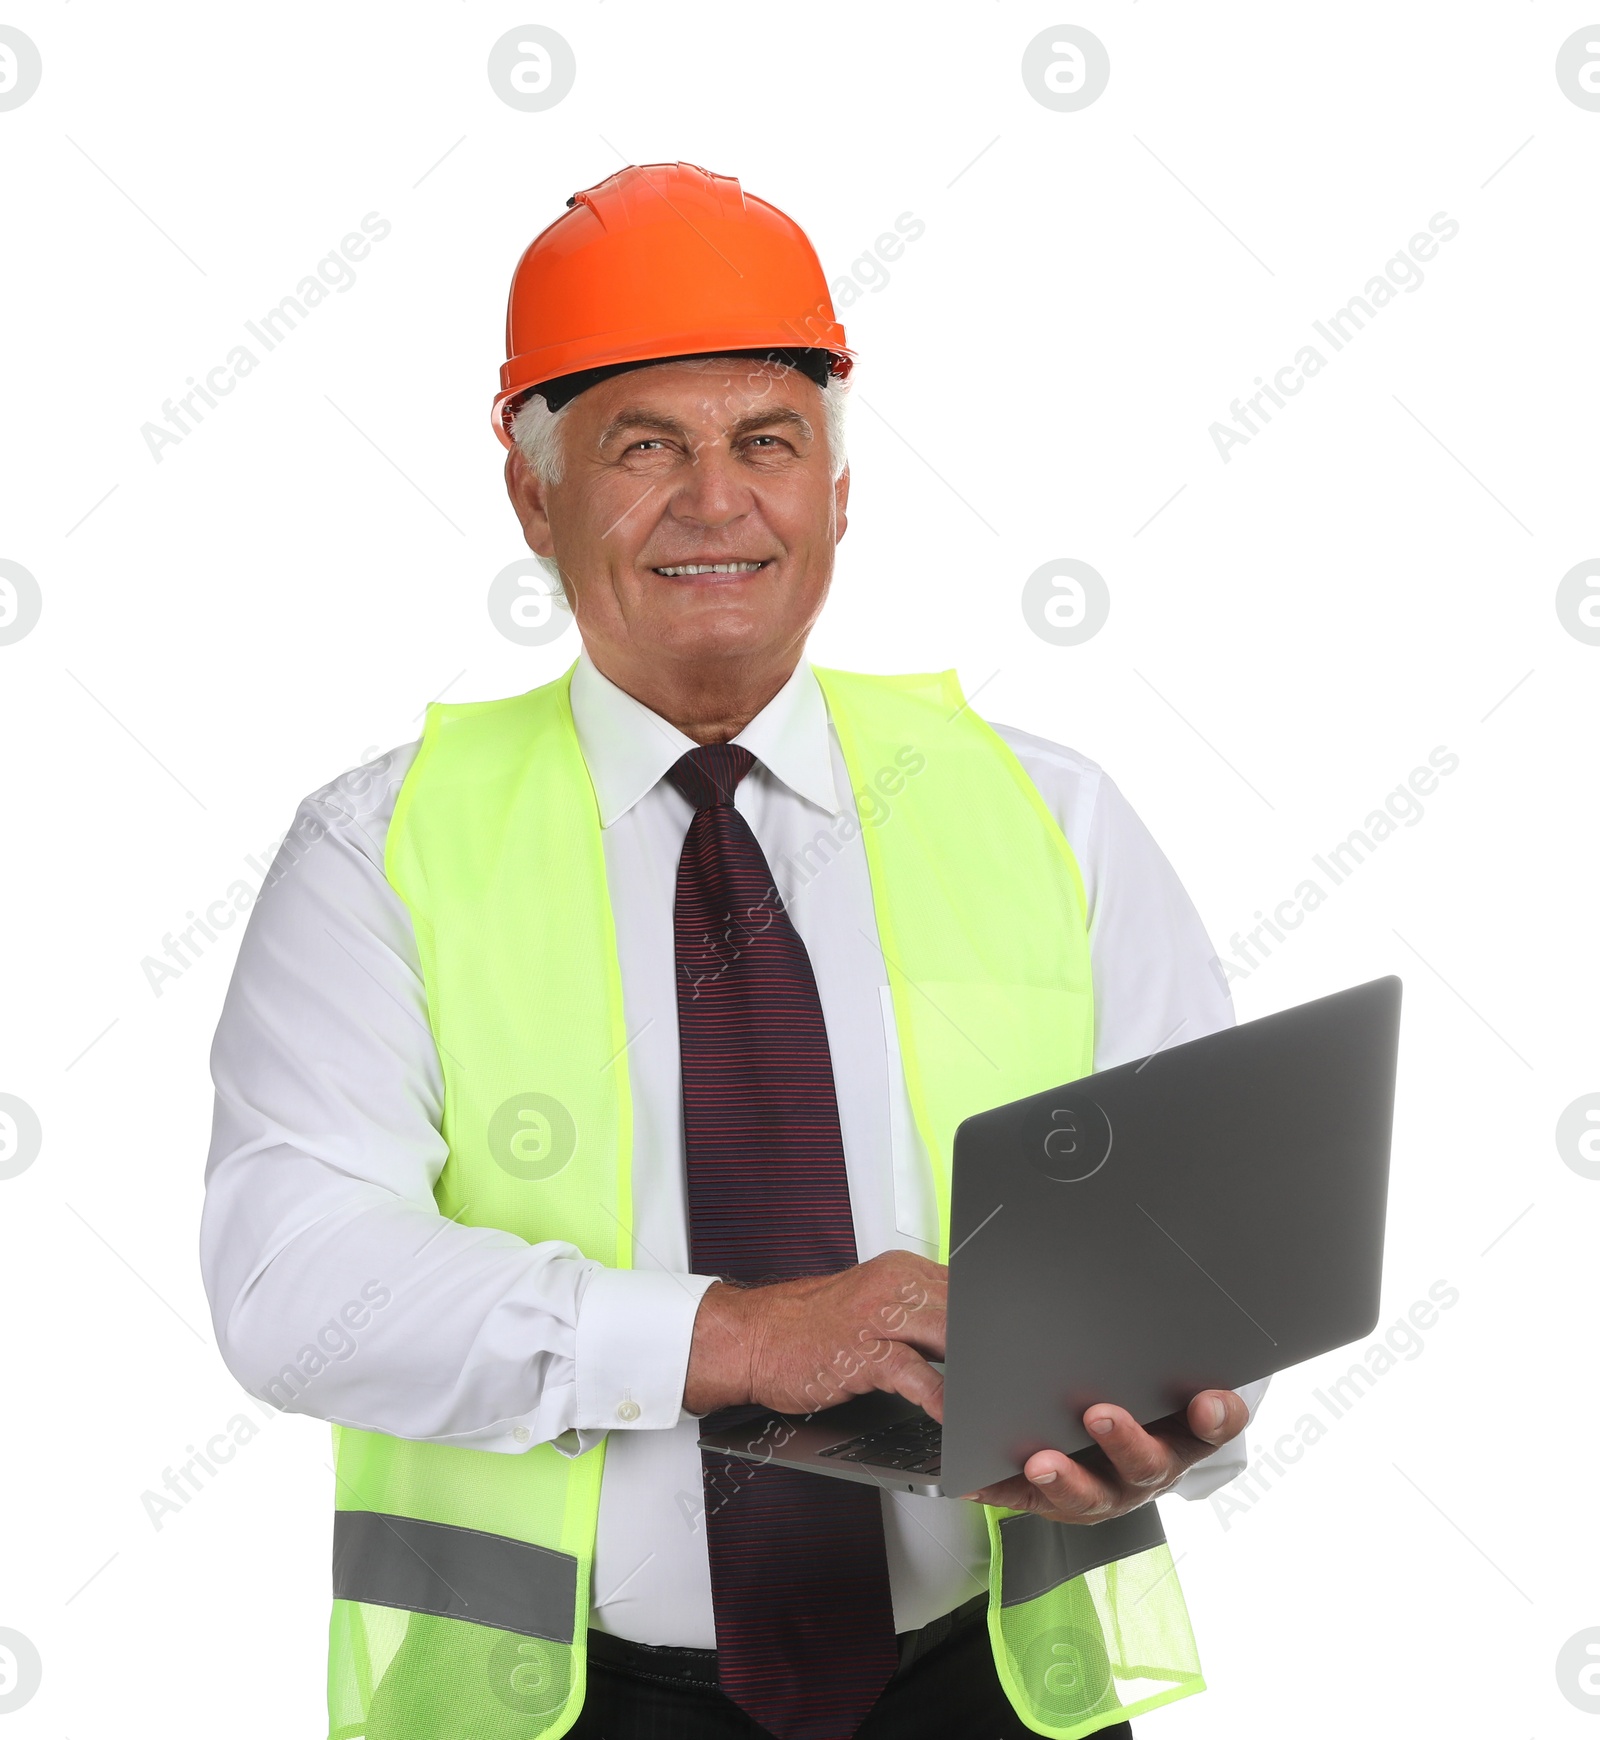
[{"x": 832, "y": 361}]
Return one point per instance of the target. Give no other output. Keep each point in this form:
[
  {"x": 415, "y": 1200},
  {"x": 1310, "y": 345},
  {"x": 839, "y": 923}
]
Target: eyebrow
[{"x": 638, "y": 418}]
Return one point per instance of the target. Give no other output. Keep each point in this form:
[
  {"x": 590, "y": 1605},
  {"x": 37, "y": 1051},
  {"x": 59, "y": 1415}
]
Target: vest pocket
[
  {"x": 1088, "y": 1623},
  {"x": 415, "y": 1676},
  {"x": 440, "y": 1631}
]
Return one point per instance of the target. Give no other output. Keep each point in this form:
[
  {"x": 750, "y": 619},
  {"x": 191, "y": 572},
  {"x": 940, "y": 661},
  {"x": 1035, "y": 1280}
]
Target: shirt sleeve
[
  {"x": 337, "y": 1289},
  {"x": 1157, "y": 979}
]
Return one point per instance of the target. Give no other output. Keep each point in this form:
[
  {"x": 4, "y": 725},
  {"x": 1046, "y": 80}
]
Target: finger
[
  {"x": 903, "y": 1372},
  {"x": 926, "y": 1292},
  {"x": 1140, "y": 1458},
  {"x": 922, "y": 1329},
  {"x": 1216, "y": 1416},
  {"x": 925, "y": 1332},
  {"x": 1194, "y": 1433},
  {"x": 910, "y": 1313},
  {"x": 1013, "y": 1494},
  {"x": 1054, "y": 1485}
]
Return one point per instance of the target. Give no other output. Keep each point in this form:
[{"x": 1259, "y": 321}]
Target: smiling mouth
[{"x": 686, "y": 570}]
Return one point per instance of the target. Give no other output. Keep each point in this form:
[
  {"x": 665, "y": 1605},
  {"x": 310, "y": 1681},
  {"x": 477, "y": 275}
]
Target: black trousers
[{"x": 945, "y": 1689}]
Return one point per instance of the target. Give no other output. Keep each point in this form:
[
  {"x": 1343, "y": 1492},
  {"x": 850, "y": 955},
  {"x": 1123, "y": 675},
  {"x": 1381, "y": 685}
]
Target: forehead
[{"x": 713, "y": 391}]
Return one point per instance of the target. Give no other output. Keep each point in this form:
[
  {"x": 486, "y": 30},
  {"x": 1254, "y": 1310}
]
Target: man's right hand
[{"x": 800, "y": 1346}]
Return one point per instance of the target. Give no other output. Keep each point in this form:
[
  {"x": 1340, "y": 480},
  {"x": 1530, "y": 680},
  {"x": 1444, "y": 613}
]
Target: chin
[
  {"x": 701, "y": 642},
  {"x": 715, "y": 613}
]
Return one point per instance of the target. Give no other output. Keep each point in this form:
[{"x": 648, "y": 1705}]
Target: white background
[{"x": 1372, "y": 576}]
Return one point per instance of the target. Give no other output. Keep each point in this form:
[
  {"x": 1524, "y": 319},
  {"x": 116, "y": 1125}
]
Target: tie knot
[{"x": 709, "y": 775}]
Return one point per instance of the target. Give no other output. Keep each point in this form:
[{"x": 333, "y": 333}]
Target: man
[{"x": 590, "y": 1069}]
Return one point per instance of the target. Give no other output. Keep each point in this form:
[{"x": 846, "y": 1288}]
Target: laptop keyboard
[{"x": 911, "y": 1445}]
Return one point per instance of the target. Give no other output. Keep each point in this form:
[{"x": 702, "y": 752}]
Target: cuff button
[{"x": 628, "y": 1410}]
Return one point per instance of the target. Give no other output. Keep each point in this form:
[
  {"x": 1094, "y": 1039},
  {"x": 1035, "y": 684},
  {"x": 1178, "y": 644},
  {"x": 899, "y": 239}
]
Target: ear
[
  {"x": 841, "y": 498},
  {"x": 528, "y": 497}
]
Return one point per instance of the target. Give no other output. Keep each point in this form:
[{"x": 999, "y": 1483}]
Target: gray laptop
[{"x": 1193, "y": 1220}]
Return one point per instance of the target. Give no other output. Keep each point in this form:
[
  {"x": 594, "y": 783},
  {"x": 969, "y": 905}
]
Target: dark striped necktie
[{"x": 799, "y": 1577}]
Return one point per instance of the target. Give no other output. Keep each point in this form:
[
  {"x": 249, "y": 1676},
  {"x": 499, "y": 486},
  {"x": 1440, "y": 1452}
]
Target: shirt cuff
[{"x": 632, "y": 1348}]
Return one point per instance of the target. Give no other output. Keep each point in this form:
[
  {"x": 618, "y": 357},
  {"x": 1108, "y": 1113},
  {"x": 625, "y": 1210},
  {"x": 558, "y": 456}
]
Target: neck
[{"x": 710, "y": 706}]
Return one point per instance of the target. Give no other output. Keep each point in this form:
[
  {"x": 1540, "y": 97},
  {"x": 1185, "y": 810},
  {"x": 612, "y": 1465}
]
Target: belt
[{"x": 666, "y": 1664}]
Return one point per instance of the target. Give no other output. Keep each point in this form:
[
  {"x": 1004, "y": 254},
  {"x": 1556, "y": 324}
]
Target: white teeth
[{"x": 712, "y": 568}]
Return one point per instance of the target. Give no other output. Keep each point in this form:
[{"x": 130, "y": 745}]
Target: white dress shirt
[{"x": 326, "y": 1140}]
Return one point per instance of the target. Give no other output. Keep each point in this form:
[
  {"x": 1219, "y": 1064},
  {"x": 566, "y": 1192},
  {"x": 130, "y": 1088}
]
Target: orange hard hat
[{"x": 662, "y": 260}]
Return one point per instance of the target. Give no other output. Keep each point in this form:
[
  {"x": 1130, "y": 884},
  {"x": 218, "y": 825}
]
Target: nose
[{"x": 711, "y": 493}]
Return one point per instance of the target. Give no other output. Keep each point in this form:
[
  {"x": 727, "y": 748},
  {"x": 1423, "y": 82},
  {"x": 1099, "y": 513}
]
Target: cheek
[
  {"x": 803, "y": 517},
  {"x": 610, "y": 522}
]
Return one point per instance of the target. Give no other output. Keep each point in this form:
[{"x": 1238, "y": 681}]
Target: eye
[{"x": 650, "y": 442}]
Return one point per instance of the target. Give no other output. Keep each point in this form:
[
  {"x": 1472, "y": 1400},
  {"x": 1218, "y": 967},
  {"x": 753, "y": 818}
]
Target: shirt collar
[{"x": 628, "y": 748}]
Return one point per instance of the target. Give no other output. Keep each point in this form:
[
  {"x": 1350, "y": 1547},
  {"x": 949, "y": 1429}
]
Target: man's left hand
[{"x": 1128, "y": 1466}]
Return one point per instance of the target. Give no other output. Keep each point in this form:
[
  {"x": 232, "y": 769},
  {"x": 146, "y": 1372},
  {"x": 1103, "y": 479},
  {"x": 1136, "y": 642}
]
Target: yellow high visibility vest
[{"x": 461, "y": 1576}]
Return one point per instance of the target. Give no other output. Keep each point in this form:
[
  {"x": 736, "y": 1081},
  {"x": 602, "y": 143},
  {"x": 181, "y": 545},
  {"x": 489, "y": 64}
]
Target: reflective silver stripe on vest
[
  {"x": 428, "y": 1567},
  {"x": 1038, "y": 1555}
]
